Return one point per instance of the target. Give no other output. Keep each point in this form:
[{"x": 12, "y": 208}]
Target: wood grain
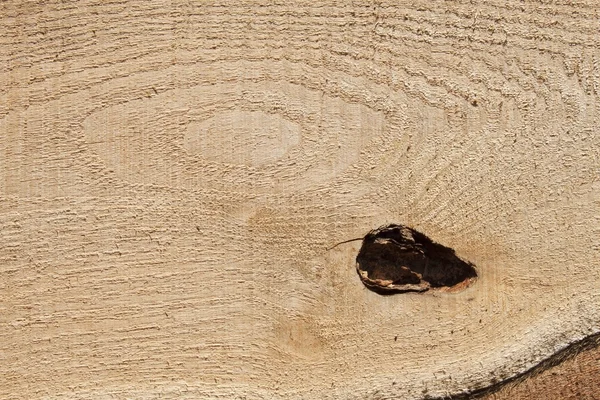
[
  {"x": 172, "y": 174},
  {"x": 572, "y": 373}
]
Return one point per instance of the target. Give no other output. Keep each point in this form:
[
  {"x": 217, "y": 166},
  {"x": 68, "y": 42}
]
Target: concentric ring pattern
[
  {"x": 243, "y": 135},
  {"x": 173, "y": 173}
]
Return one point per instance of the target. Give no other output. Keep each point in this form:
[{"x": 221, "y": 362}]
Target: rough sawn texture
[{"x": 172, "y": 174}]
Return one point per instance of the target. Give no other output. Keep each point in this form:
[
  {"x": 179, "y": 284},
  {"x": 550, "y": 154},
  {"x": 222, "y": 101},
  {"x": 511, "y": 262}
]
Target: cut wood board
[{"x": 172, "y": 175}]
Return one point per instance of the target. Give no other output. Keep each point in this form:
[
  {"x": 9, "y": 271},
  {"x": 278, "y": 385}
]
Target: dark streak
[{"x": 589, "y": 343}]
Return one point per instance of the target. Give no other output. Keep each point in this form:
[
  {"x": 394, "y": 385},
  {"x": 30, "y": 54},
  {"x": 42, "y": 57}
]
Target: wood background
[{"x": 172, "y": 174}]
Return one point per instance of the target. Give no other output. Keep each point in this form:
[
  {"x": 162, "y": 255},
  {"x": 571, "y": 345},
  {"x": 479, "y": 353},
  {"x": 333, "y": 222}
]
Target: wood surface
[
  {"x": 573, "y": 373},
  {"x": 173, "y": 175}
]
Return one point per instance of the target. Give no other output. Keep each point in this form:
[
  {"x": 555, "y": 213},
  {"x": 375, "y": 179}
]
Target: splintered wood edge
[{"x": 382, "y": 287}]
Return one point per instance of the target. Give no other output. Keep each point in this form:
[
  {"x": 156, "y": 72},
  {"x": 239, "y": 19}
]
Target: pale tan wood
[{"x": 173, "y": 173}]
